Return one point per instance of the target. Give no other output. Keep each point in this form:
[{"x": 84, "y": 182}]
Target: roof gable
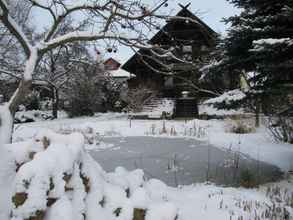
[
  {"x": 111, "y": 64},
  {"x": 207, "y": 33}
]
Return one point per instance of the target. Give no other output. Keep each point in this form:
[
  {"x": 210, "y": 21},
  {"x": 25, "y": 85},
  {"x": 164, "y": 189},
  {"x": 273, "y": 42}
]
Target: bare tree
[
  {"x": 124, "y": 22},
  {"x": 57, "y": 67},
  {"x": 11, "y": 57}
]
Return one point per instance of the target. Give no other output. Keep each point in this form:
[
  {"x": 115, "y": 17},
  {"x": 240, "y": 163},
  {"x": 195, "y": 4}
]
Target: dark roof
[
  {"x": 184, "y": 12},
  {"x": 208, "y": 33}
]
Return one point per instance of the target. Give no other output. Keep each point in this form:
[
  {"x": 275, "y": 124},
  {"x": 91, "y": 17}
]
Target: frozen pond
[{"x": 180, "y": 161}]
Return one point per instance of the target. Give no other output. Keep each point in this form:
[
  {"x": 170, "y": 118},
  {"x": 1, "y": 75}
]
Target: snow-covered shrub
[
  {"x": 240, "y": 126},
  {"x": 83, "y": 98},
  {"x": 57, "y": 179},
  {"x": 32, "y": 102},
  {"x": 84, "y": 93},
  {"x": 32, "y": 116},
  {"x": 90, "y": 136}
]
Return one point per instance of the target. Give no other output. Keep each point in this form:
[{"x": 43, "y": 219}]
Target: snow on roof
[{"x": 120, "y": 73}]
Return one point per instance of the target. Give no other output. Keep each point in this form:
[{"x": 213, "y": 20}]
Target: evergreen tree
[{"x": 261, "y": 40}]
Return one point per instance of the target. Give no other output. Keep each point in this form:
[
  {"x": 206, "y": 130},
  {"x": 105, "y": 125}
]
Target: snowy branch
[
  {"x": 91, "y": 36},
  {"x": 169, "y": 71},
  {"x": 10, "y": 73},
  {"x": 115, "y": 10},
  {"x": 13, "y": 27}
]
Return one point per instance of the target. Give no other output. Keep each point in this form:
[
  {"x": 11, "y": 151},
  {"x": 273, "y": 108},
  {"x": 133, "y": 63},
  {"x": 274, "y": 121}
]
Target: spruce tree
[{"x": 261, "y": 40}]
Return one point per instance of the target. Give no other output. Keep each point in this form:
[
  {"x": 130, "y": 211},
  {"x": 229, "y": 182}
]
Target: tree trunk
[
  {"x": 257, "y": 112},
  {"x": 6, "y": 124},
  {"x": 8, "y": 110},
  {"x": 55, "y": 103},
  {"x": 21, "y": 92}
]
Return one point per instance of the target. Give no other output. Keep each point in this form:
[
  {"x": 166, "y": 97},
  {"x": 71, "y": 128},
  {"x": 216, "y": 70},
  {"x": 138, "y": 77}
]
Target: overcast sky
[{"x": 211, "y": 12}]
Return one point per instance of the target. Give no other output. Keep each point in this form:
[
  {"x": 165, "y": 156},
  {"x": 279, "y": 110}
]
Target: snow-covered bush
[
  {"x": 240, "y": 126},
  {"x": 90, "y": 136},
  {"x": 32, "y": 116},
  {"x": 57, "y": 179},
  {"x": 83, "y": 98},
  {"x": 32, "y": 101}
]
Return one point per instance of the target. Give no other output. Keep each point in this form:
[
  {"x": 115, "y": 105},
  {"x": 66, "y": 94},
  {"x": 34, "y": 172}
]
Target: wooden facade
[{"x": 190, "y": 37}]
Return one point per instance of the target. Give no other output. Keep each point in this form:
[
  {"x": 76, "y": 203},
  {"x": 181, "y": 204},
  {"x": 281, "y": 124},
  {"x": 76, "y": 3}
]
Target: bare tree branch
[
  {"x": 170, "y": 72},
  {"x": 9, "y": 73},
  {"x": 91, "y": 36},
  {"x": 15, "y": 30}
]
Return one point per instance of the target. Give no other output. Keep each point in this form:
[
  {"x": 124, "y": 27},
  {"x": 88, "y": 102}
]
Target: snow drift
[{"x": 57, "y": 179}]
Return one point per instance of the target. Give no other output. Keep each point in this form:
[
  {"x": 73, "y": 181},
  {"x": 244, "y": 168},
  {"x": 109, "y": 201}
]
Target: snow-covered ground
[
  {"x": 258, "y": 145},
  {"x": 199, "y": 201},
  {"x": 79, "y": 187}
]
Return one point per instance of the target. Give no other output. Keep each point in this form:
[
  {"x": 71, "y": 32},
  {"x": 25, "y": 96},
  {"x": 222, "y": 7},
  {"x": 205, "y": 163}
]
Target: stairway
[{"x": 156, "y": 106}]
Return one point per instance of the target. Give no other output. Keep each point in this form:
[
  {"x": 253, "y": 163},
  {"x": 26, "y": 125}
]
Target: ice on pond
[{"x": 181, "y": 161}]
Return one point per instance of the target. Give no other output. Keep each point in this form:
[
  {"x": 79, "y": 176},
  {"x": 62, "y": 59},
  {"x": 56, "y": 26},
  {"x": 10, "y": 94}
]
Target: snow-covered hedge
[
  {"x": 57, "y": 179},
  {"x": 32, "y": 116}
]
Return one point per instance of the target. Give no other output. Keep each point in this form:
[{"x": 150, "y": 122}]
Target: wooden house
[
  {"x": 191, "y": 38},
  {"x": 112, "y": 68},
  {"x": 111, "y": 64}
]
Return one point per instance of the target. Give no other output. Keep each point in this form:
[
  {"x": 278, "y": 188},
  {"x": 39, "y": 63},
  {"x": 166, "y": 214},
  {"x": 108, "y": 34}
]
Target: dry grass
[{"x": 240, "y": 126}]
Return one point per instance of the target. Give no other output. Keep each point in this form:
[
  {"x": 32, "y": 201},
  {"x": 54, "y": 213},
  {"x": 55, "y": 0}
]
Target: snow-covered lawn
[
  {"x": 58, "y": 171},
  {"x": 199, "y": 201},
  {"x": 258, "y": 145}
]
